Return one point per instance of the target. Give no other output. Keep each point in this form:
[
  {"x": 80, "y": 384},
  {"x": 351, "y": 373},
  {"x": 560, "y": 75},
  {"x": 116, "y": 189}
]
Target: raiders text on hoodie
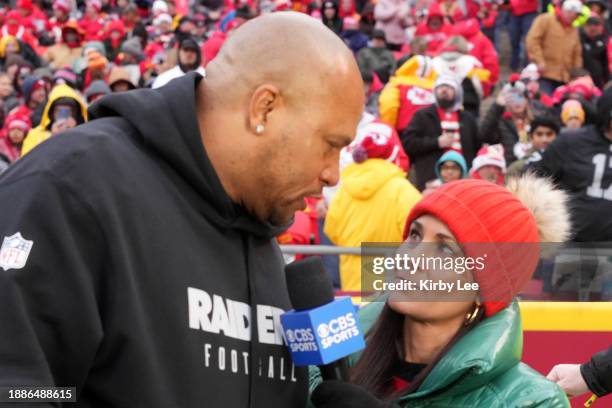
[{"x": 127, "y": 272}]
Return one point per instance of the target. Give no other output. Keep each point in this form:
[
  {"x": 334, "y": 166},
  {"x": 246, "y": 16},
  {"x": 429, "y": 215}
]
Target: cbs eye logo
[
  {"x": 290, "y": 336},
  {"x": 323, "y": 330}
]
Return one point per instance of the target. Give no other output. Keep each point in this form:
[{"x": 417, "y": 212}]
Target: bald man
[{"x": 139, "y": 263}]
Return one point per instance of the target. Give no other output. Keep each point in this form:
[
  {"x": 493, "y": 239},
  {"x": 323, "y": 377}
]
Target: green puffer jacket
[{"x": 482, "y": 370}]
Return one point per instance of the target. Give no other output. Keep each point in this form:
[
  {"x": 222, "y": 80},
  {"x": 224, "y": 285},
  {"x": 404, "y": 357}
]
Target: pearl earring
[{"x": 259, "y": 129}]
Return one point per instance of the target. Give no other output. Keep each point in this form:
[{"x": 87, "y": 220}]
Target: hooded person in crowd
[
  {"x": 435, "y": 30},
  {"x": 509, "y": 118},
  {"x": 330, "y": 16},
  {"x": 373, "y": 182},
  {"x": 543, "y": 130},
  {"x": 120, "y": 80},
  {"x": 490, "y": 165},
  {"x": 165, "y": 207},
  {"x": 439, "y": 128},
  {"x": 579, "y": 162},
  {"x": 410, "y": 89},
  {"x": 113, "y": 37},
  {"x": 594, "y": 40},
  {"x": 189, "y": 59},
  {"x": 457, "y": 348},
  {"x": 64, "y": 110},
  {"x": 93, "y": 21},
  {"x": 450, "y": 166},
  {"x": 454, "y": 59},
  {"x": 35, "y": 96},
  {"x": 13, "y": 25},
  {"x": 15, "y": 129},
  {"x": 96, "y": 90},
  {"x": 65, "y": 53},
  {"x": 376, "y": 58},
  {"x": 553, "y": 44}
]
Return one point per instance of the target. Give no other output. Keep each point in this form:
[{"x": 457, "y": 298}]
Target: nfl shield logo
[{"x": 14, "y": 252}]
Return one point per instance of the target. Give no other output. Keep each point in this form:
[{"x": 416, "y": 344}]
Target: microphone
[{"x": 320, "y": 330}]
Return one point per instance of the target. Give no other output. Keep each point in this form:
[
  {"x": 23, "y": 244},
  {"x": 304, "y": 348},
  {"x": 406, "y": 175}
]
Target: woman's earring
[
  {"x": 259, "y": 129},
  {"x": 470, "y": 317}
]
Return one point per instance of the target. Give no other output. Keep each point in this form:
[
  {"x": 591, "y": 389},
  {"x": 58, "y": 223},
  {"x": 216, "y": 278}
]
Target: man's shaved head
[{"x": 280, "y": 100}]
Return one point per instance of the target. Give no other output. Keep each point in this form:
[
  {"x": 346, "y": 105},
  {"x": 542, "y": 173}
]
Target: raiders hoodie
[{"x": 127, "y": 272}]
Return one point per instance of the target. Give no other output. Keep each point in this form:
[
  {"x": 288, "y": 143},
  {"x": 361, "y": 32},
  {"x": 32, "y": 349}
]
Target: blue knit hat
[
  {"x": 453, "y": 156},
  {"x": 31, "y": 83}
]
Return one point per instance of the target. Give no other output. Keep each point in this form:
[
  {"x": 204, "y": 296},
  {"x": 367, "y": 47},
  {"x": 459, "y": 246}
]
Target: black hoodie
[{"x": 137, "y": 285}]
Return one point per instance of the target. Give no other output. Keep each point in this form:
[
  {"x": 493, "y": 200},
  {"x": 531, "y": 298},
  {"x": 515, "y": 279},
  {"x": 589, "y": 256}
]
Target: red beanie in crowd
[{"x": 489, "y": 219}]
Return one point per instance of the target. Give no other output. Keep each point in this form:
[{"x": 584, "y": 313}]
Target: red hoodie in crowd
[
  {"x": 480, "y": 47},
  {"x": 7, "y": 147},
  {"x": 13, "y": 26},
  {"x": 32, "y": 17},
  {"x": 434, "y": 37}
]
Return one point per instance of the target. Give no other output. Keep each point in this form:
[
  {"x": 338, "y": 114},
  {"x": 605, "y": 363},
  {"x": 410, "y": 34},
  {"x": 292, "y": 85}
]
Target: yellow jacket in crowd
[
  {"x": 371, "y": 205},
  {"x": 43, "y": 131}
]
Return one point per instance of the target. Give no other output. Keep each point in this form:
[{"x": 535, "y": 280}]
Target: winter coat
[
  {"x": 556, "y": 46},
  {"x": 420, "y": 141},
  {"x": 483, "y": 369},
  {"x": 392, "y": 16},
  {"x": 42, "y": 132},
  {"x": 410, "y": 89},
  {"x": 434, "y": 39},
  {"x": 61, "y": 55},
  {"x": 595, "y": 58},
  {"x": 597, "y": 373},
  {"x": 371, "y": 205}
]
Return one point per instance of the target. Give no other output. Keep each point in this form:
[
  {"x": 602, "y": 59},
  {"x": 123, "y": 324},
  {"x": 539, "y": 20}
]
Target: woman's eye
[
  {"x": 446, "y": 249},
  {"x": 414, "y": 236}
]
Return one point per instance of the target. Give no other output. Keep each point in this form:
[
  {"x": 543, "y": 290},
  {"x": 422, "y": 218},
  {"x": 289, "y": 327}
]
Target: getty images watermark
[
  {"x": 444, "y": 270},
  {"x": 405, "y": 267}
]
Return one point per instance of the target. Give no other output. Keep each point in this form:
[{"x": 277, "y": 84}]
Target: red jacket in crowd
[
  {"x": 13, "y": 26},
  {"x": 433, "y": 37},
  {"x": 520, "y": 7}
]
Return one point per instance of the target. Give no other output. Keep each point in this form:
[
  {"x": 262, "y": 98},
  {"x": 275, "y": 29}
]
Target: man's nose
[{"x": 331, "y": 174}]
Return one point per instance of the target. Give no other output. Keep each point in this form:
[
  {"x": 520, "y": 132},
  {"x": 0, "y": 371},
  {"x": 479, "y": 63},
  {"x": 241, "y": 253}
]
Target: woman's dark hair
[{"x": 385, "y": 347}]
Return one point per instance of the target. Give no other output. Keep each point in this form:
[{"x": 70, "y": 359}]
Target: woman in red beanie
[{"x": 454, "y": 350}]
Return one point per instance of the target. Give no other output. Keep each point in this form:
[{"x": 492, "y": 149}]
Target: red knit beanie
[{"x": 487, "y": 219}]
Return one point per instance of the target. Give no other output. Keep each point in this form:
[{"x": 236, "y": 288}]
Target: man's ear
[{"x": 264, "y": 101}]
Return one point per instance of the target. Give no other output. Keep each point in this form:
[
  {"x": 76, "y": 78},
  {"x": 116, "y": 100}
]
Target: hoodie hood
[
  {"x": 363, "y": 180},
  {"x": 434, "y": 11},
  {"x": 466, "y": 28},
  {"x": 61, "y": 91},
  {"x": 453, "y": 156},
  {"x": 451, "y": 81},
  {"x": 175, "y": 138}
]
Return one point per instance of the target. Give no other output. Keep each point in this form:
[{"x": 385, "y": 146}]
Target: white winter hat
[
  {"x": 160, "y": 6},
  {"x": 572, "y": 5}
]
